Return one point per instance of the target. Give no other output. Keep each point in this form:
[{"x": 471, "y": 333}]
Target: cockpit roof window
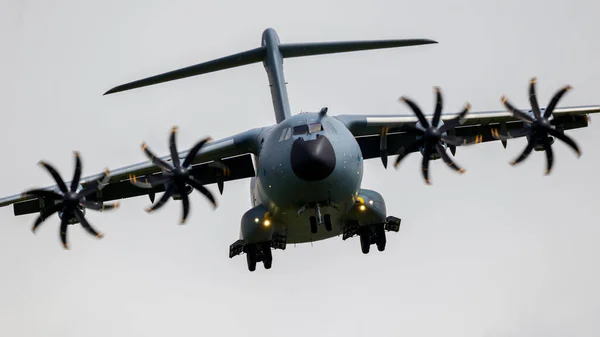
[{"x": 307, "y": 129}]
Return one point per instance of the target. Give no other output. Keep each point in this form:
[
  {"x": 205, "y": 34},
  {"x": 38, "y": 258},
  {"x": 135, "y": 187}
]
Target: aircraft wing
[
  {"x": 477, "y": 127},
  {"x": 234, "y": 152}
]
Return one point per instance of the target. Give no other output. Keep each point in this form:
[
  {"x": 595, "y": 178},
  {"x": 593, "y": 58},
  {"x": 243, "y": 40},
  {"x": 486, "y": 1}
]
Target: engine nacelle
[
  {"x": 256, "y": 225},
  {"x": 188, "y": 189},
  {"x": 539, "y": 146},
  {"x": 72, "y": 219}
]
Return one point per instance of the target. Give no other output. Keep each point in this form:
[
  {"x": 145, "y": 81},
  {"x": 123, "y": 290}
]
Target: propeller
[
  {"x": 176, "y": 177},
  {"x": 70, "y": 202},
  {"x": 432, "y": 136},
  {"x": 538, "y": 129}
]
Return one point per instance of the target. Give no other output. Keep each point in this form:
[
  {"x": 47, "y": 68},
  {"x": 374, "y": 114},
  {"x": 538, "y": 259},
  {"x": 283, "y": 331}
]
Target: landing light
[
  {"x": 267, "y": 223},
  {"x": 256, "y": 220},
  {"x": 362, "y": 207},
  {"x": 370, "y": 202}
]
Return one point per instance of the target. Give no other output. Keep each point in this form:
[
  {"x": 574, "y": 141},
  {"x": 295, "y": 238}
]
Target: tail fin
[{"x": 271, "y": 53}]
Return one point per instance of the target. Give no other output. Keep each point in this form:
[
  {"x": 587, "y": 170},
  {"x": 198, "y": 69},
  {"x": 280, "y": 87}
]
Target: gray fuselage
[{"x": 284, "y": 186}]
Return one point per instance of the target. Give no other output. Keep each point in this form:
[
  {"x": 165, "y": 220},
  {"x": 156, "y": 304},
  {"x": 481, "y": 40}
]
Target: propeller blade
[
  {"x": 63, "y": 231},
  {"x": 549, "y": 157},
  {"x": 518, "y": 114},
  {"x": 198, "y": 186},
  {"x": 452, "y": 149},
  {"x": 438, "y": 108},
  {"x": 525, "y": 153},
  {"x": 442, "y": 152},
  {"x": 45, "y": 215},
  {"x": 411, "y": 148},
  {"x": 86, "y": 225},
  {"x": 456, "y": 121},
  {"x": 565, "y": 139},
  {"x": 416, "y": 110},
  {"x": 173, "y": 147},
  {"x": 155, "y": 160},
  {"x": 451, "y": 140},
  {"x": 77, "y": 174},
  {"x": 186, "y": 207},
  {"x": 57, "y": 178},
  {"x": 554, "y": 101},
  {"x": 194, "y": 150},
  {"x": 168, "y": 193},
  {"x": 533, "y": 100},
  {"x": 425, "y": 164}
]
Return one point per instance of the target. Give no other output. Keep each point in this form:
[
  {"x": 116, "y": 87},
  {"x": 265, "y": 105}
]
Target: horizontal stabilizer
[
  {"x": 308, "y": 49},
  {"x": 231, "y": 61},
  {"x": 265, "y": 52}
]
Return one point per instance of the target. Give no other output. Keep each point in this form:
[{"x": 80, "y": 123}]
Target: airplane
[{"x": 305, "y": 171}]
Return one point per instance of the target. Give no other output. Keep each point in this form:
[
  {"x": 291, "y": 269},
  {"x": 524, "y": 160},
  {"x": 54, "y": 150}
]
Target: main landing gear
[
  {"x": 258, "y": 252},
  {"x": 371, "y": 234}
]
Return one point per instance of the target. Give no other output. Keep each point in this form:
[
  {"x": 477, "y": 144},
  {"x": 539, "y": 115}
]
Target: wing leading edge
[
  {"x": 235, "y": 152},
  {"x": 380, "y": 136}
]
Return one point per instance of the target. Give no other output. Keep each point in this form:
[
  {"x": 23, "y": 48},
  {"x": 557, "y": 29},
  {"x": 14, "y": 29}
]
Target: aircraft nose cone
[{"x": 312, "y": 160}]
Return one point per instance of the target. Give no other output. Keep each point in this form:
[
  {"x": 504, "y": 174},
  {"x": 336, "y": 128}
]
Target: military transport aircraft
[{"x": 305, "y": 170}]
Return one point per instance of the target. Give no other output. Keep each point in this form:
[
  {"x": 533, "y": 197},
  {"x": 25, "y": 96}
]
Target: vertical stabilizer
[{"x": 274, "y": 66}]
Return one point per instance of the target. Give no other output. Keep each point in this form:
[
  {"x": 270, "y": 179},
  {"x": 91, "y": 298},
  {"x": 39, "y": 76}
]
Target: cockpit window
[{"x": 310, "y": 128}]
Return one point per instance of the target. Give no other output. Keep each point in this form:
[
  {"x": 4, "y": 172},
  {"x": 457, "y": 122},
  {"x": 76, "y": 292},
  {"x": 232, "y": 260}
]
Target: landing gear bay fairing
[{"x": 305, "y": 171}]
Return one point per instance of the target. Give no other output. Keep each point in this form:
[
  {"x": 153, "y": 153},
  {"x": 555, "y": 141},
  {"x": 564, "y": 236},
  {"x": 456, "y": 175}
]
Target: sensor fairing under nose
[{"x": 312, "y": 160}]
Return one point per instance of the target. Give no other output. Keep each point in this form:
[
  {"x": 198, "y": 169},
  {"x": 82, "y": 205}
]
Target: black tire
[
  {"x": 267, "y": 264},
  {"x": 251, "y": 257},
  {"x": 327, "y": 219},
  {"x": 313, "y": 224},
  {"x": 267, "y": 255},
  {"x": 365, "y": 241},
  {"x": 380, "y": 239}
]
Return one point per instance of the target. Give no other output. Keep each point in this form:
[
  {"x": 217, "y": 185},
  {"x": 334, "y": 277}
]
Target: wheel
[
  {"x": 380, "y": 239},
  {"x": 327, "y": 219},
  {"x": 251, "y": 257},
  {"x": 365, "y": 241},
  {"x": 267, "y": 264},
  {"x": 313, "y": 224},
  {"x": 267, "y": 255}
]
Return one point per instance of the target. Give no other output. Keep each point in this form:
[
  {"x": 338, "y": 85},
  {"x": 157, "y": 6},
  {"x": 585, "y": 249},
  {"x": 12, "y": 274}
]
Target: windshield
[{"x": 310, "y": 128}]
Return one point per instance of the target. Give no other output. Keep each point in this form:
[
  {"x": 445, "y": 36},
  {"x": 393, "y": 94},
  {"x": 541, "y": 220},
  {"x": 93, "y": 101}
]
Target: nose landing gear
[{"x": 319, "y": 219}]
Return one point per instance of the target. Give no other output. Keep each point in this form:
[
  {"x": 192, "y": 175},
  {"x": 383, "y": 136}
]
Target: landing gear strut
[
  {"x": 257, "y": 252},
  {"x": 371, "y": 234}
]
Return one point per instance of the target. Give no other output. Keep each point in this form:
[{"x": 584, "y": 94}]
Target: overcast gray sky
[{"x": 499, "y": 251}]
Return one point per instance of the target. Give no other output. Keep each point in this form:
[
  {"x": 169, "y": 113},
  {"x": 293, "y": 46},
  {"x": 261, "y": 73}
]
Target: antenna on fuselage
[{"x": 323, "y": 112}]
